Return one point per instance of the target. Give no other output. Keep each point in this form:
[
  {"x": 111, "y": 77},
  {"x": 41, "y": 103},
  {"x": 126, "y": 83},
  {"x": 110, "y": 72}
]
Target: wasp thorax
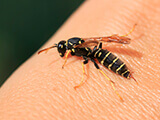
[{"x": 72, "y": 42}]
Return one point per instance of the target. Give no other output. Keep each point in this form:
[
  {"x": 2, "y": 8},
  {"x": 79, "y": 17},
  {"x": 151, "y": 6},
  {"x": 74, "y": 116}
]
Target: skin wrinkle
[
  {"x": 87, "y": 103},
  {"x": 49, "y": 85}
]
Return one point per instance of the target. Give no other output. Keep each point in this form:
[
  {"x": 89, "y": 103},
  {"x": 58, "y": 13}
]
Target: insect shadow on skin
[{"x": 81, "y": 47}]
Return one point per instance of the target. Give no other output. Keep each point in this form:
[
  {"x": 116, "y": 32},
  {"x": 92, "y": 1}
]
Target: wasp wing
[{"x": 94, "y": 41}]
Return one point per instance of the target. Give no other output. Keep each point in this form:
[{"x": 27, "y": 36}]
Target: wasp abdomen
[{"x": 112, "y": 62}]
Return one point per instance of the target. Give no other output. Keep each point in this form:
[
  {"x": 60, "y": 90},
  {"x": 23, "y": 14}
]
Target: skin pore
[{"x": 41, "y": 89}]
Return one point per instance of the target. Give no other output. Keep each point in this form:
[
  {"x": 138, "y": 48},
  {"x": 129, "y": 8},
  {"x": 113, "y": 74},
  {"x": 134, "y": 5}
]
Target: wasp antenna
[{"x": 46, "y": 49}]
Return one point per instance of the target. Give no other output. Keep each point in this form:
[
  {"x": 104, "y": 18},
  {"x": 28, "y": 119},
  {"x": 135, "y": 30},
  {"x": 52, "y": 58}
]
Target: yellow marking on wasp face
[
  {"x": 96, "y": 52},
  {"x": 110, "y": 65},
  {"x": 70, "y": 43},
  {"x": 100, "y": 53},
  {"x": 60, "y": 53},
  {"x": 119, "y": 67},
  {"x": 73, "y": 50},
  {"x": 125, "y": 72},
  {"x": 80, "y": 42},
  {"x": 105, "y": 57},
  {"x": 61, "y": 46}
]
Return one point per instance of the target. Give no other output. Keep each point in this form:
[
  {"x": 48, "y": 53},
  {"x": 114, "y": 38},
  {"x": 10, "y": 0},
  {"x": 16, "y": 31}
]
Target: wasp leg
[
  {"x": 130, "y": 31},
  {"x": 112, "y": 83},
  {"x": 82, "y": 80},
  {"x": 66, "y": 58}
]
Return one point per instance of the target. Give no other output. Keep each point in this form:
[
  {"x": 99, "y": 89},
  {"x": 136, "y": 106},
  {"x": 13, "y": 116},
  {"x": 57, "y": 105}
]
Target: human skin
[{"x": 41, "y": 89}]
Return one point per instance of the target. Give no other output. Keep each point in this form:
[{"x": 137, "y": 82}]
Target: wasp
[
  {"x": 81, "y": 47},
  {"x": 74, "y": 42}
]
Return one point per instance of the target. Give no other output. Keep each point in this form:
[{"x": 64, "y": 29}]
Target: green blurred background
[{"x": 25, "y": 25}]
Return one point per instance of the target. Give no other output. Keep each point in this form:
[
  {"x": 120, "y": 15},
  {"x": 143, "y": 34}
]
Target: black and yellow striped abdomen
[{"x": 112, "y": 62}]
